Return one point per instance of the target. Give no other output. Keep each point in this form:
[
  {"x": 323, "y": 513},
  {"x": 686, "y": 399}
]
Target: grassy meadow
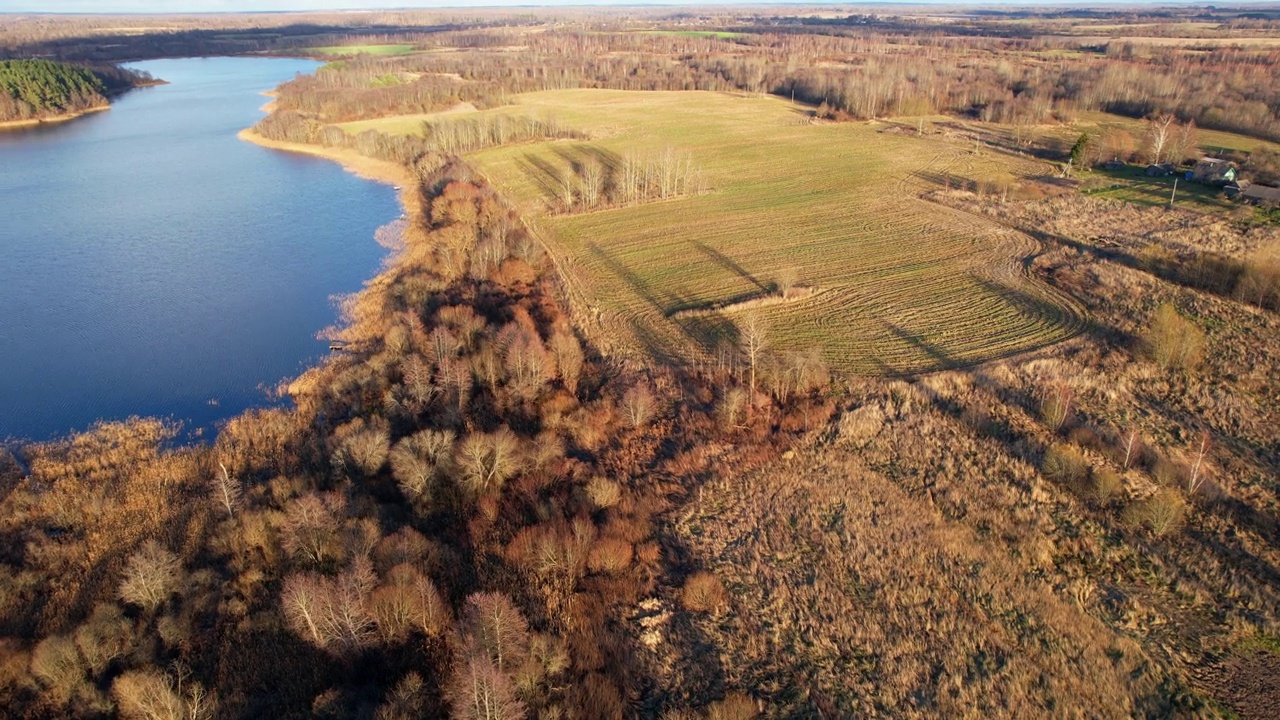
[
  {"x": 386, "y": 50},
  {"x": 902, "y": 284}
]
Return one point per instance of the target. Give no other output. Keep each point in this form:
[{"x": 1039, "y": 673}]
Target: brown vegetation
[{"x": 471, "y": 513}]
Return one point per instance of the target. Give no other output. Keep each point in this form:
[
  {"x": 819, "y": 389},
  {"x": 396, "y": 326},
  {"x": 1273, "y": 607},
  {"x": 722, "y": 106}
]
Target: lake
[{"x": 153, "y": 264}]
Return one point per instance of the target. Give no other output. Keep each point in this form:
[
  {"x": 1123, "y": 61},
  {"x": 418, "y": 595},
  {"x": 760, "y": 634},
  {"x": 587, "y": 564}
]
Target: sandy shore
[
  {"x": 382, "y": 171},
  {"x": 14, "y": 124}
]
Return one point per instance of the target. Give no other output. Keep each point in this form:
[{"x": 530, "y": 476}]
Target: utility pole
[{"x": 1173, "y": 194}]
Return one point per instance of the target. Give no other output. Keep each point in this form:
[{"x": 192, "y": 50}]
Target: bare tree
[
  {"x": 147, "y": 695},
  {"x": 1055, "y": 408},
  {"x": 310, "y": 528},
  {"x": 1198, "y": 475},
  {"x": 1183, "y": 141},
  {"x": 331, "y": 613},
  {"x": 592, "y": 182},
  {"x": 1160, "y": 130},
  {"x": 497, "y": 629},
  {"x": 154, "y": 695},
  {"x": 1130, "y": 446},
  {"x": 303, "y": 606},
  {"x": 569, "y": 358},
  {"x": 786, "y": 281},
  {"x": 754, "y": 339},
  {"x": 638, "y": 403},
  {"x": 408, "y": 601},
  {"x": 151, "y": 576},
  {"x": 420, "y": 460},
  {"x": 227, "y": 490},
  {"x": 486, "y": 461},
  {"x": 480, "y": 691}
]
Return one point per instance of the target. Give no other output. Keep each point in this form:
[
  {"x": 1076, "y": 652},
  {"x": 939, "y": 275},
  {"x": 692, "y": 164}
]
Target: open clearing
[
  {"x": 364, "y": 50},
  {"x": 903, "y": 285}
]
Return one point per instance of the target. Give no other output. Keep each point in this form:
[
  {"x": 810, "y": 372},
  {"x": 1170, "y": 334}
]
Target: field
[
  {"x": 363, "y": 49},
  {"x": 1132, "y": 185},
  {"x": 901, "y": 284}
]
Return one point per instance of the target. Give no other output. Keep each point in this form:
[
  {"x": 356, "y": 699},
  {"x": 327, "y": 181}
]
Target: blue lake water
[{"x": 153, "y": 264}]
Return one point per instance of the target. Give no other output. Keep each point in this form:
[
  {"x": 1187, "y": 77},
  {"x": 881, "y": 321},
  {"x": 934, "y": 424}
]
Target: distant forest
[
  {"x": 38, "y": 89},
  {"x": 1016, "y": 70}
]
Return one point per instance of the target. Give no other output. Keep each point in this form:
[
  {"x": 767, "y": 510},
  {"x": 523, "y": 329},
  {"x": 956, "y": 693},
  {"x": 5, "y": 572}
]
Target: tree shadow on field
[
  {"x": 627, "y": 275},
  {"x": 916, "y": 340},
  {"x": 1063, "y": 318},
  {"x": 578, "y": 155},
  {"x": 730, "y": 264},
  {"x": 710, "y": 331},
  {"x": 547, "y": 177}
]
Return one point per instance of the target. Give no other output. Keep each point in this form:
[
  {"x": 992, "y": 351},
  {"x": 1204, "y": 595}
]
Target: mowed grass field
[{"x": 903, "y": 285}]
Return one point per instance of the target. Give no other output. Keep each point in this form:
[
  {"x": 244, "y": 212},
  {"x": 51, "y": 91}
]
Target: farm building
[
  {"x": 1231, "y": 190},
  {"x": 1213, "y": 171},
  {"x": 1261, "y": 195},
  {"x": 1113, "y": 165},
  {"x": 1161, "y": 170}
]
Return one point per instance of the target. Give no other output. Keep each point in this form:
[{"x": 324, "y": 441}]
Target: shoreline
[
  {"x": 381, "y": 171},
  {"x": 55, "y": 120}
]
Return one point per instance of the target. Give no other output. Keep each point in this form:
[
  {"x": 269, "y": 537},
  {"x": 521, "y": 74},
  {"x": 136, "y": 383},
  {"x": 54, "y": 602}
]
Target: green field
[
  {"x": 902, "y": 284},
  {"x": 363, "y": 50},
  {"x": 1132, "y": 185},
  {"x": 717, "y": 34}
]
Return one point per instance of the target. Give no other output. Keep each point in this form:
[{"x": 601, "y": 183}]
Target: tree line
[{"x": 36, "y": 89}]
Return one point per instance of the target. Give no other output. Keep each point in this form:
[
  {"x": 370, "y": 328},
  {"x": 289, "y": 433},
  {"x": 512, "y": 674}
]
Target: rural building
[
  {"x": 1161, "y": 170},
  {"x": 1213, "y": 171},
  {"x": 1261, "y": 195},
  {"x": 1231, "y": 189},
  {"x": 1113, "y": 165}
]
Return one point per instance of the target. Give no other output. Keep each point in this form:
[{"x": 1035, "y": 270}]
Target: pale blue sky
[{"x": 186, "y": 6}]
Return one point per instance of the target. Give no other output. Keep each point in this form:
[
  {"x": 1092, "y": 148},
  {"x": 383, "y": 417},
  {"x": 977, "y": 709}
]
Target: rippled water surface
[{"x": 153, "y": 264}]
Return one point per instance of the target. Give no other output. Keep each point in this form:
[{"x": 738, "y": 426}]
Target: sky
[{"x": 185, "y": 6}]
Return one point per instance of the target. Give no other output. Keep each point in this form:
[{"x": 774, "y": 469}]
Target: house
[
  {"x": 1161, "y": 170},
  {"x": 1213, "y": 171},
  {"x": 1261, "y": 195},
  {"x": 1231, "y": 190},
  {"x": 1115, "y": 164}
]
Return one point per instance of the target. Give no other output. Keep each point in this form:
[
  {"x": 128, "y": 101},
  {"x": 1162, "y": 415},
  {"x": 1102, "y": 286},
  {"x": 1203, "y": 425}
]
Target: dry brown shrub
[
  {"x": 1065, "y": 465},
  {"x": 731, "y": 406},
  {"x": 106, "y": 636},
  {"x": 703, "y": 592},
  {"x": 611, "y": 556},
  {"x": 1104, "y": 485},
  {"x": 604, "y": 493},
  {"x": 406, "y": 701},
  {"x": 1172, "y": 341},
  {"x": 735, "y": 706},
  {"x": 1169, "y": 472},
  {"x": 1160, "y": 513}
]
